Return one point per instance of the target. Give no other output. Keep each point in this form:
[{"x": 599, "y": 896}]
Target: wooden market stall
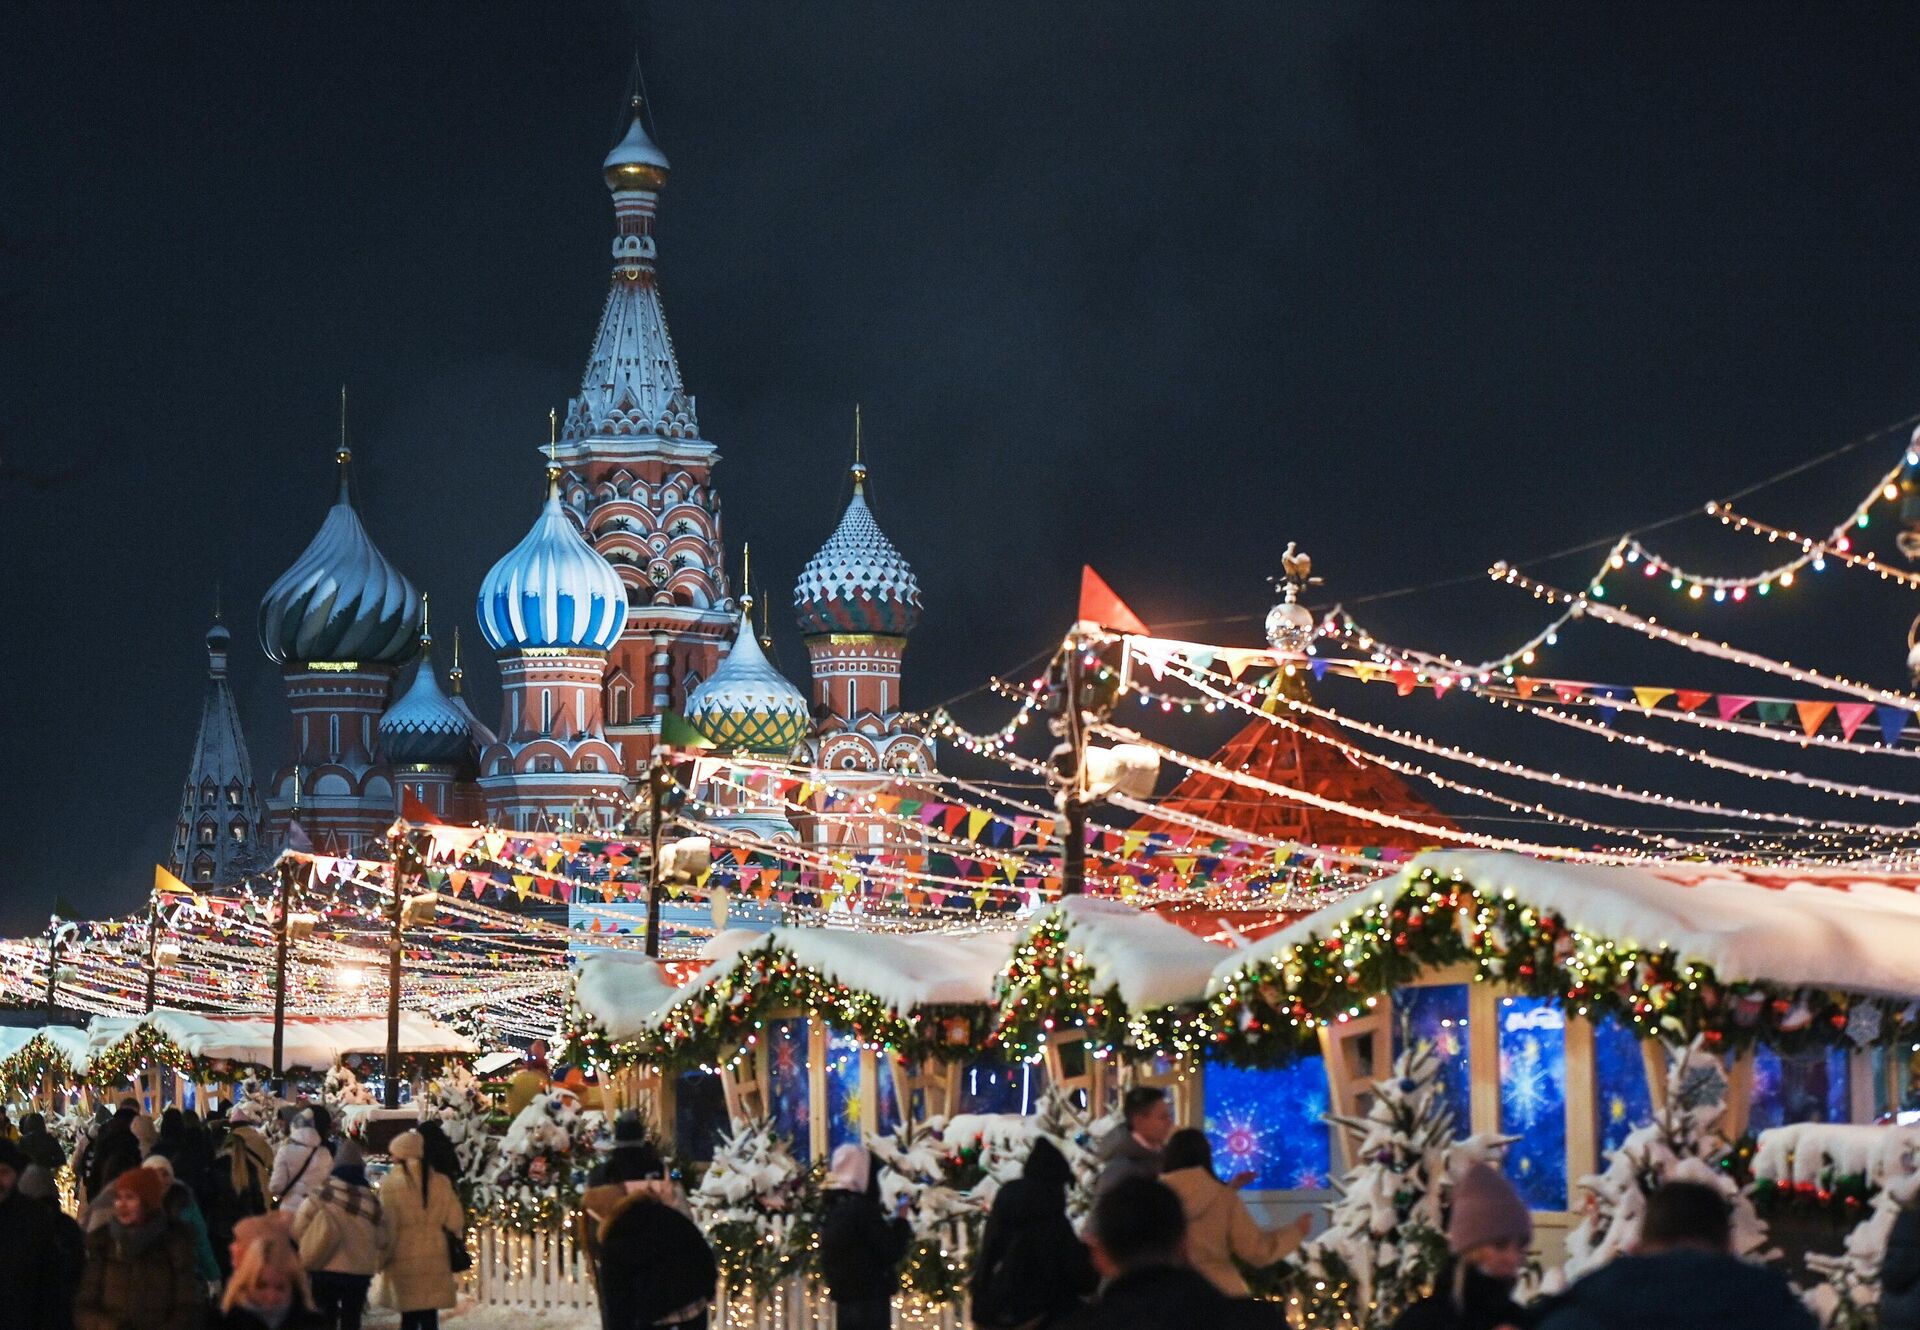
[
  {"x": 44, "y": 1067},
  {"x": 1548, "y": 988},
  {"x": 171, "y": 1057}
]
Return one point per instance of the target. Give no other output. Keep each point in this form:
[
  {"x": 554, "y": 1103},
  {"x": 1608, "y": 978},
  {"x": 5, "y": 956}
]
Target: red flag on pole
[{"x": 1098, "y": 604}]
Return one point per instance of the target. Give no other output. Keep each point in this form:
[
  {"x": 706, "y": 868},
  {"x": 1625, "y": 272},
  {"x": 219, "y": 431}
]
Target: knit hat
[
  {"x": 146, "y": 1183},
  {"x": 1486, "y": 1210},
  {"x": 629, "y": 1127},
  {"x": 850, "y": 1169},
  {"x": 161, "y": 1165},
  {"x": 36, "y": 1184},
  {"x": 144, "y": 1131},
  {"x": 347, "y": 1154},
  {"x": 408, "y": 1145},
  {"x": 11, "y": 1156}
]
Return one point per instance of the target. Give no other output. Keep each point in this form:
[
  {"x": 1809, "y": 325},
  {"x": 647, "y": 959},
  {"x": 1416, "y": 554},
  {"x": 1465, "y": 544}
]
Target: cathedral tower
[
  {"x": 551, "y": 609},
  {"x": 638, "y": 477},
  {"x": 339, "y": 623},
  {"x": 217, "y": 837},
  {"x": 855, "y": 602}
]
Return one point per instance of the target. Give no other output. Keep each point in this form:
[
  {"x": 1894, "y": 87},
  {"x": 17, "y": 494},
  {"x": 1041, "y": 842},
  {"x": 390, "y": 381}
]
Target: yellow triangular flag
[
  {"x": 165, "y": 882},
  {"x": 1649, "y": 698}
]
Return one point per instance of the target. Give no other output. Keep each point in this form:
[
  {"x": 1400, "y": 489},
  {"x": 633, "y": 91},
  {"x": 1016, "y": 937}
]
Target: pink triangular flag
[
  {"x": 1730, "y": 706},
  {"x": 1851, "y": 715}
]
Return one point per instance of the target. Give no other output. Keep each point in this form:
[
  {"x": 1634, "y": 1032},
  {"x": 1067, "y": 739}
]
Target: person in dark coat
[
  {"x": 114, "y": 1150},
  {"x": 1900, "y": 1274},
  {"x": 1031, "y": 1268},
  {"x": 652, "y": 1264},
  {"x": 1682, "y": 1276},
  {"x": 140, "y": 1272},
  {"x": 33, "y": 1268},
  {"x": 1133, "y": 1148},
  {"x": 1138, "y": 1233},
  {"x": 38, "y": 1145},
  {"x": 1487, "y": 1237},
  {"x": 633, "y": 1158},
  {"x": 67, "y": 1250},
  {"x": 860, "y": 1247}
]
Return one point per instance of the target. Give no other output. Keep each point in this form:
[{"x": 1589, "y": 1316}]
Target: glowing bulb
[{"x": 1696, "y": 591}]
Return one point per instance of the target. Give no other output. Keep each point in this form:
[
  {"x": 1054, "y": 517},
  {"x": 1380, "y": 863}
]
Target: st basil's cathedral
[{"x": 614, "y": 609}]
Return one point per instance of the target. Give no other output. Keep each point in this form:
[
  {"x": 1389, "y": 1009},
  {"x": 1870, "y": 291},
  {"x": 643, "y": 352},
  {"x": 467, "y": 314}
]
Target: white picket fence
[{"x": 548, "y": 1271}]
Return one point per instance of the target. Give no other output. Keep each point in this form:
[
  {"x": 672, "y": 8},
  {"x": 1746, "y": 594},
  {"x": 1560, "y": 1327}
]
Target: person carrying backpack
[{"x": 1032, "y": 1267}]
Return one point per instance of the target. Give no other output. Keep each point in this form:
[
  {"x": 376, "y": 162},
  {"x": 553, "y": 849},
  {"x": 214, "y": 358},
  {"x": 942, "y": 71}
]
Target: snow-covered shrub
[
  {"x": 540, "y": 1168},
  {"x": 758, "y": 1206}
]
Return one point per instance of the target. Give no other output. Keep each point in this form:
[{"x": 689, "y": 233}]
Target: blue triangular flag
[{"x": 1893, "y": 723}]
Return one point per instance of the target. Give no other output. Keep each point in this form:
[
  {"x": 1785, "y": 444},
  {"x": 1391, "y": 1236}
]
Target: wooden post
[
  {"x": 937, "y": 1084},
  {"x": 870, "y": 1093},
  {"x": 1355, "y": 1053},
  {"x": 1653, "y": 1057},
  {"x": 1862, "y": 1099},
  {"x": 819, "y": 1118},
  {"x": 1094, "y": 1078},
  {"x": 1733, "y": 1121},
  {"x": 1583, "y": 1104},
  {"x": 746, "y": 1088},
  {"x": 1483, "y": 1056}
]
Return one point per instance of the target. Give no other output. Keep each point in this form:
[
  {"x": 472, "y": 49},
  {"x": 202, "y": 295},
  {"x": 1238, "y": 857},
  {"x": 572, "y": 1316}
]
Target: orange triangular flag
[
  {"x": 1812, "y": 714},
  {"x": 1098, "y": 604},
  {"x": 415, "y": 811}
]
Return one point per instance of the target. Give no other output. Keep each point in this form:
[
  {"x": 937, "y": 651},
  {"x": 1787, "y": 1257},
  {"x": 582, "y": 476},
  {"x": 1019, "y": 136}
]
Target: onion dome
[
  {"x": 636, "y": 161},
  {"x": 341, "y": 601},
  {"x": 748, "y": 706},
  {"x": 424, "y": 725},
  {"x": 552, "y": 589},
  {"x": 857, "y": 583}
]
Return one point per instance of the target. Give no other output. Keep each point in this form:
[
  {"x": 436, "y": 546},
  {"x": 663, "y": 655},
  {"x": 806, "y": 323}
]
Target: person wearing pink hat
[{"x": 1488, "y": 1233}]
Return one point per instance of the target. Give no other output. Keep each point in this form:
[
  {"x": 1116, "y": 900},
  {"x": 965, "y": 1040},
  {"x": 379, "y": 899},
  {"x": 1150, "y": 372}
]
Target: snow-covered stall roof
[
  {"x": 1847, "y": 930},
  {"x": 622, "y": 993},
  {"x": 309, "y": 1041},
  {"x": 1148, "y": 960}
]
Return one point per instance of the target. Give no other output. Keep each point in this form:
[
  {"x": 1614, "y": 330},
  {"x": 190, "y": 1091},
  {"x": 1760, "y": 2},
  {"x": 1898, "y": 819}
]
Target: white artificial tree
[
  {"x": 756, "y": 1204},
  {"x": 1385, "y": 1240},
  {"x": 1683, "y": 1143}
]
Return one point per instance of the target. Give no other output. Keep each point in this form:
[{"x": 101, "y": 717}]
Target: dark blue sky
[{"x": 1156, "y": 287}]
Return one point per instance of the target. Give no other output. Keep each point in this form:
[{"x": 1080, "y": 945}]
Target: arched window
[
  {"x": 333, "y": 737},
  {"x": 239, "y": 831},
  {"x": 546, "y": 711},
  {"x": 206, "y": 833},
  {"x": 621, "y": 701},
  {"x": 233, "y": 795}
]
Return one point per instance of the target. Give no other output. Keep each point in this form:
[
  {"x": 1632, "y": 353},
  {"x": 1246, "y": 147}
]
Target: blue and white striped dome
[
  {"x": 341, "y": 601},
  {"x": 552, "y": 590}
]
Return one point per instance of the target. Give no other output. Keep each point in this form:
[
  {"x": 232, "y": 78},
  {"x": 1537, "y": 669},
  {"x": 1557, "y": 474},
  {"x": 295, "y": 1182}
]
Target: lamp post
[
  {"x": 54, "y": 942},
  {"x": 405, "y": 862},
  {"x": 659, "y": 781},
  {"x": 286, "y": 871},
  {"x": 153, "y": 937}
]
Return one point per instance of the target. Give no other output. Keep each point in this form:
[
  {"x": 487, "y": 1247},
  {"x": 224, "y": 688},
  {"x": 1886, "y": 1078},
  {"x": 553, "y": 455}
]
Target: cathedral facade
[{"x": 614, "y": 609}]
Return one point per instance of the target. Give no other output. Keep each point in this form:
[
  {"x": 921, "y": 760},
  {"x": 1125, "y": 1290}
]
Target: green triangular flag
[{"x": 676, "y": 731}]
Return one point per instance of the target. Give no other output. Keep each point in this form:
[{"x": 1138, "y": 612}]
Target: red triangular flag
[
  {"x": 1851, "y": 714},
  {"x": 1098, "y": 604},
  {"x": 1524, "y": 686},
  {"x": 1692, "y": 701}
]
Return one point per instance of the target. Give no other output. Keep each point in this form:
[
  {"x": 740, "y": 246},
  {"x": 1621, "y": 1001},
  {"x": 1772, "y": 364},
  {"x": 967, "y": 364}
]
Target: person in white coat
[
  {"x": 424, "y": 1214},
  {"x": 300, "y": 1165}
]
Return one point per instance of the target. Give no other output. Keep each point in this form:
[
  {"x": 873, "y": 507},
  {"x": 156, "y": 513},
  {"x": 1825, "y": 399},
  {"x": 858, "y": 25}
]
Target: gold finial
[
  {"x": 766, "y": 633},
  {"x": 746, "y": 582},
  {"x": 343, "y": 454},
  {"x": 553, "y": 453},
  {"x": 296, "y": 788},
  {"x": 426, "y": 626},
  {"x": 216, "y": 602},
  {"x": 455, "y": 674}
]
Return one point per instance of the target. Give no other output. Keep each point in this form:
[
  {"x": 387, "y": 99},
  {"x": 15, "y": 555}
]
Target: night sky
[{"x": 1153, "y": 287}]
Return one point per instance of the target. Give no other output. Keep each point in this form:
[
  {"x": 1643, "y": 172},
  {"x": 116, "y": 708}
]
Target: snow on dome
[
  {"x": 857, "y": 583},
  {"x": 1149, "y": 961},
  {"x": 1851, "y": 931},
  {"x": 425, "y": 725},
  {"x": 636, "y": 161},
  {"x": 552, "y": 590},
  {"x": 341, "y": 601},
  {"x": 748, "y": 706}
]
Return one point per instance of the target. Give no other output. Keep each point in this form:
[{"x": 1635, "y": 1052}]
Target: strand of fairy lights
[
  {"x": 1653, "y": 629},
  {"x": 1416, "y": 772},
  {"x": 1503, "y": 673},
  {"x": 1433, "y": 748},
  {"x": 1123, "y": 735},
  {"x": 1110, "y": 859}
]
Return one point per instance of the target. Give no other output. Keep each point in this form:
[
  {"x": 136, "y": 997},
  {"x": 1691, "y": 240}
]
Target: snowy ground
[{"x": 469, "y": 1317}]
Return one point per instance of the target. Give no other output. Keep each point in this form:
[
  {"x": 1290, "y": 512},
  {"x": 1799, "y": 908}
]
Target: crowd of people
[{"x": 186, "y": 1224}]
